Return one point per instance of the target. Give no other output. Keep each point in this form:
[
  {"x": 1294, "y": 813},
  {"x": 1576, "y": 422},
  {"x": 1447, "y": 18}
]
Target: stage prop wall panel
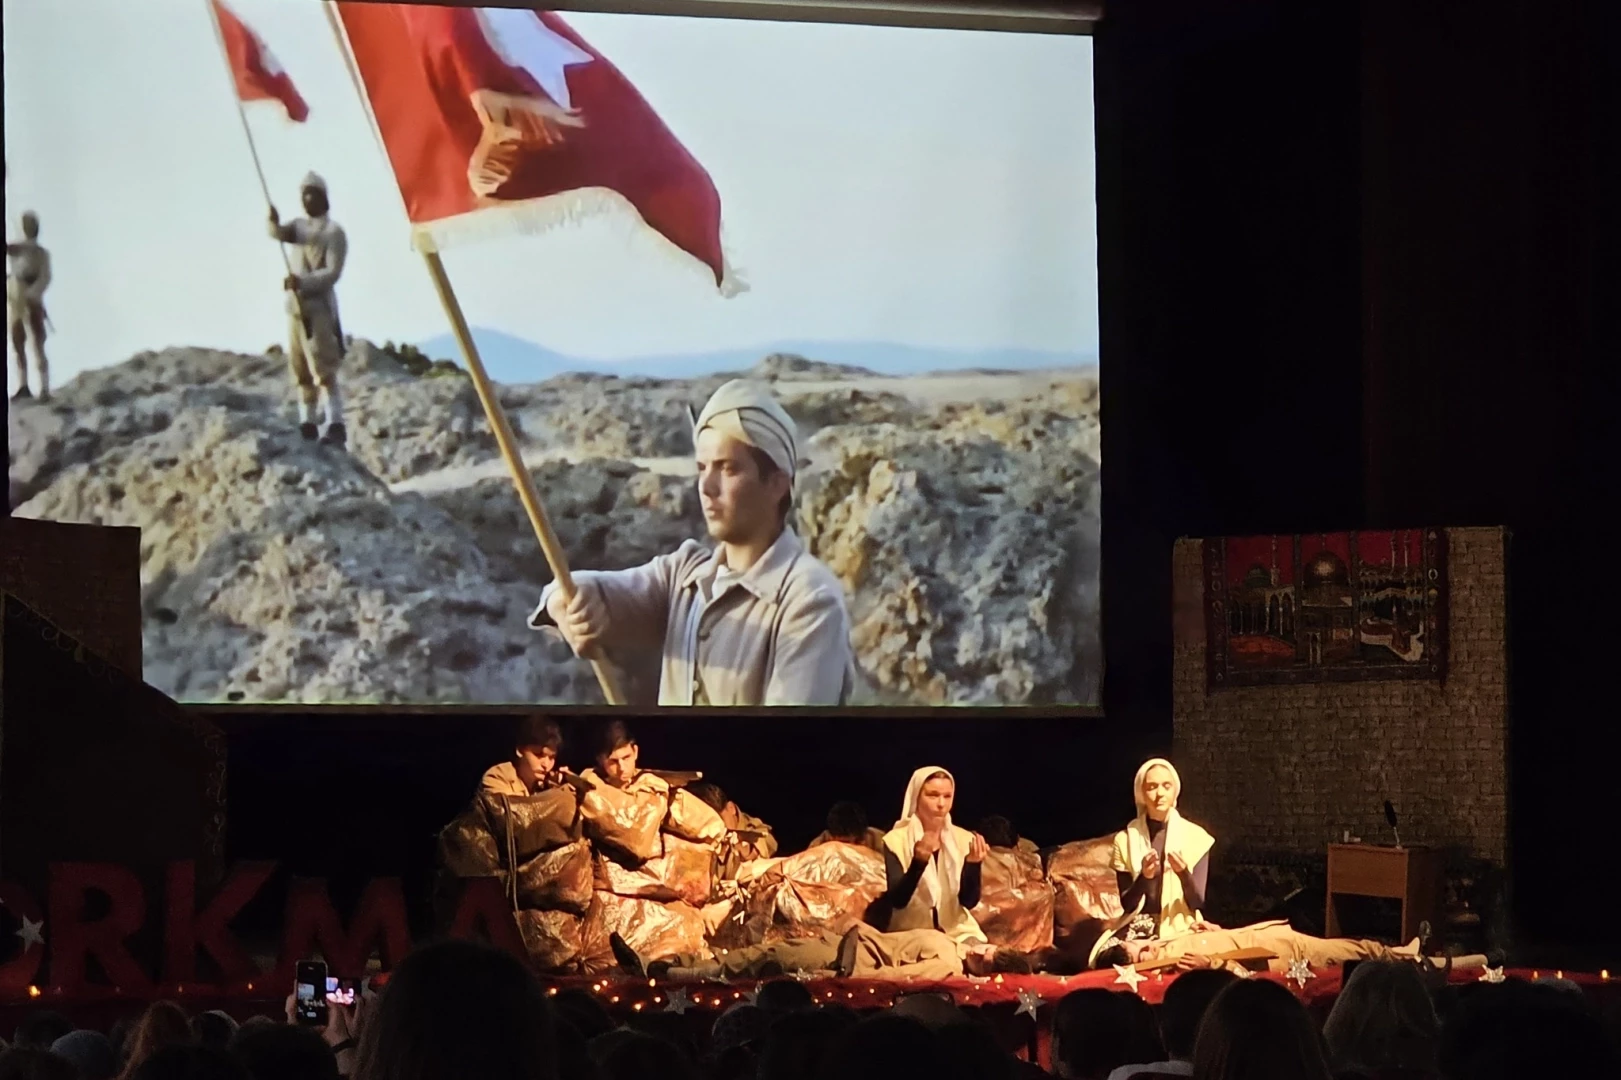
[
  {"x": 98, "y": 766},
  {"x": 85, "y": 578},
  {"x": 1293, "y": 763}
]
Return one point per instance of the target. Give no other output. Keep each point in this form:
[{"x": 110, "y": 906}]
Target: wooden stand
[{"x": 1412, "y": 875}]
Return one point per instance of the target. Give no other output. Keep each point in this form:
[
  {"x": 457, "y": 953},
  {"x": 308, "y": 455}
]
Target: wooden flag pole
[
  {"x": 556, "y": 557},
  {"x": 258, "y": 167}
]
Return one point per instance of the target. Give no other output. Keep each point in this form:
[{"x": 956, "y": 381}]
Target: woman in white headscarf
[
  {"x": 933, "y": 866},
  {"x": 1161, "y": 859}
]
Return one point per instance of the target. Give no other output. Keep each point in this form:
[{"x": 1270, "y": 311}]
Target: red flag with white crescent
[
  {"x": 259, "y": 75},
  {"x": 503, "y": 120}
]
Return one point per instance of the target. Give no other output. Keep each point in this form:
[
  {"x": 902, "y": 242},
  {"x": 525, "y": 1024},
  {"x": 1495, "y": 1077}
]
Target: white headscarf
[
  {"x": 313, "y": 181},
  {"x": 746, "y": 411}
]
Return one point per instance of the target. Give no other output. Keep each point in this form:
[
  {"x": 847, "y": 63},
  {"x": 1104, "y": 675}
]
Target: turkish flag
[
  {"x": 505, "y": 120},
  {"x": 259, "y": 75}
]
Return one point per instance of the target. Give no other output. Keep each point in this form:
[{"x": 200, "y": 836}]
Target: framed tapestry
[{"x": 1325, "y": 607}]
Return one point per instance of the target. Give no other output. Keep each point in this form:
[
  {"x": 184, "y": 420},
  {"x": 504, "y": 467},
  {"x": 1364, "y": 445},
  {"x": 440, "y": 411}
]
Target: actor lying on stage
[
  {"x": 847, "y": 824},
  {"x": 756, "y": 620},
  {"x": 1161, "y": 859},
  {"x": 1211, "y": 946},
  {"x": 533, "y": 767}
]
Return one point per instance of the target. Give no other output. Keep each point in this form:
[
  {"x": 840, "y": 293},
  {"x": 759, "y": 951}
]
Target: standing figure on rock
[
  {"x": 756, "y": 620},
  {"x": 28, "y": 275},
  {"x": 316, "y": 335}
]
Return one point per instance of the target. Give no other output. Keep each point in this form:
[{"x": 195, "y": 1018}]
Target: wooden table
[{"x": 1413, "y": 875}]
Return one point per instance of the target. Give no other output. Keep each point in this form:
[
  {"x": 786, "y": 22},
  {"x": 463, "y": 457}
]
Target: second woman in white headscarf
[
  {"x": 933, "y": 866},
  {"x": 1161, "y": 859}
]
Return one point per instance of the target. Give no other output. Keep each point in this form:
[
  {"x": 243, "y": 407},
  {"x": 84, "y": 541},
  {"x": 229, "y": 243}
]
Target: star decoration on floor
[
  {"x": 1126, "y": 975},
  {"x": 30, "y": 933},
  {"x": 752, "y": 997},
  {"x": 800, "y": 975},
  {"x": 1300, "y": 972},
  {"x": 677, "y": 1002},
  {"x": 1492, "y": 975},
  {"x": 1029, "y": 1002}
]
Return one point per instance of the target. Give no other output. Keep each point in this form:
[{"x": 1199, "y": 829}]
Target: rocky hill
[{"x": 961, "y": 513}]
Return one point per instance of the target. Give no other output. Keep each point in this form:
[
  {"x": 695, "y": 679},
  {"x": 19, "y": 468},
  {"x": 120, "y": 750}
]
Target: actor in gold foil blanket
[
  {"x": 747, "y": 837},
  {"x": 533, "y": 765},
  {"x": 847, "y": 824},
  {"x": 755, "y": 620}
]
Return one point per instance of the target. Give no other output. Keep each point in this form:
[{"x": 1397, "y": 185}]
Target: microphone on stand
[{"x": 1390, "y": 816}]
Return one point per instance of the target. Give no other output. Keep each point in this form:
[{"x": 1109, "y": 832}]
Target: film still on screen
[{"x": 501, "y": 356}]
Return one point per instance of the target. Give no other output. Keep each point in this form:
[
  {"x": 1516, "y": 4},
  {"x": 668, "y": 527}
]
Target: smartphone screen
[
  {"x": 342, "y": 991},
  {"x": 309, "y": 992}
]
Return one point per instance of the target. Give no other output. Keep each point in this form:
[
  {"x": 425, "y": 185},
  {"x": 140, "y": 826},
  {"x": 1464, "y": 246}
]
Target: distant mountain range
[{"x": 513, "y": 360}]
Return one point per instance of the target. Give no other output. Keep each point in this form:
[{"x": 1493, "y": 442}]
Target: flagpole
[
  {"x": 551, "y": 547},
  {"x": 556, "y": 557},
  {"x": 258, "y": 167}
]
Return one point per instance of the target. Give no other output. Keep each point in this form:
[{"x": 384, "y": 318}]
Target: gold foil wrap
[
  {"x": 691, "y": 818},
  {"x": 685, "y": 871},
  {"x": 828, "y": 887},
  {"x": 1015, "y": 901},
  {"x": 538, "y": 823},
  {"x": 657, "y": 931},
  {"x": 554, "y": 939},
  {"x": 626, "y": 822},
  {"x": 1084, "y": 884},
  {"x": 557, "y": 880},
  {"x": 467, "y": 848}
]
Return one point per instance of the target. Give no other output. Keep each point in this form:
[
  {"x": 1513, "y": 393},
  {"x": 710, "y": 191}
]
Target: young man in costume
[
  {"x": 1208, "y": 945},
  {"x": 315, "y": 334},
  {"x": 847, "y": 824},
  {"x": 533, "y": 765},
  {"x": 754, "y": 621}
]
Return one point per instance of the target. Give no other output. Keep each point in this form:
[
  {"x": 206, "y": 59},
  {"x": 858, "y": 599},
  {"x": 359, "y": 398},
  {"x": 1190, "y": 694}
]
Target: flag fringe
[{"x": 532, "y": 217}]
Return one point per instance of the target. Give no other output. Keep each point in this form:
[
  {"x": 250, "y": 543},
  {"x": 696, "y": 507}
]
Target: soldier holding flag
[{"x": 315, "y": 334}]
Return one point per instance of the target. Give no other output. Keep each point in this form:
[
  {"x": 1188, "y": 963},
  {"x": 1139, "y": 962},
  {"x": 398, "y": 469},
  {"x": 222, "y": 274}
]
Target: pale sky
[{"x": 926, "y": 187}]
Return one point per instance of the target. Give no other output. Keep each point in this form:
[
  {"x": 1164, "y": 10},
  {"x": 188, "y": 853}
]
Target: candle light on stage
[
  {"x": 34, "y": 991},
  {"x": 1604, "y": 976}
]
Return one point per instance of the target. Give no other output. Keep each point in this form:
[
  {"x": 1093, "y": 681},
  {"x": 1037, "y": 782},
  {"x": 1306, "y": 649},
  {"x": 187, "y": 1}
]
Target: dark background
[{"x": 1358, "y": 264}]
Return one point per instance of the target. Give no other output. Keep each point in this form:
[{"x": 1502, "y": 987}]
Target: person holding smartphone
[
  {"x": 533, "y": 766},
  {"x": 334, "y": 1007}
]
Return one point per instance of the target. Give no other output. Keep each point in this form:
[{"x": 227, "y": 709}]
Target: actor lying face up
[{"x": 755, "y": 620}]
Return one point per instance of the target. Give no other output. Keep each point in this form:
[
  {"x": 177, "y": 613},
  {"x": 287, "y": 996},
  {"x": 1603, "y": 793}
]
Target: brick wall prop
[{"x": 1282, "y": 770}]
